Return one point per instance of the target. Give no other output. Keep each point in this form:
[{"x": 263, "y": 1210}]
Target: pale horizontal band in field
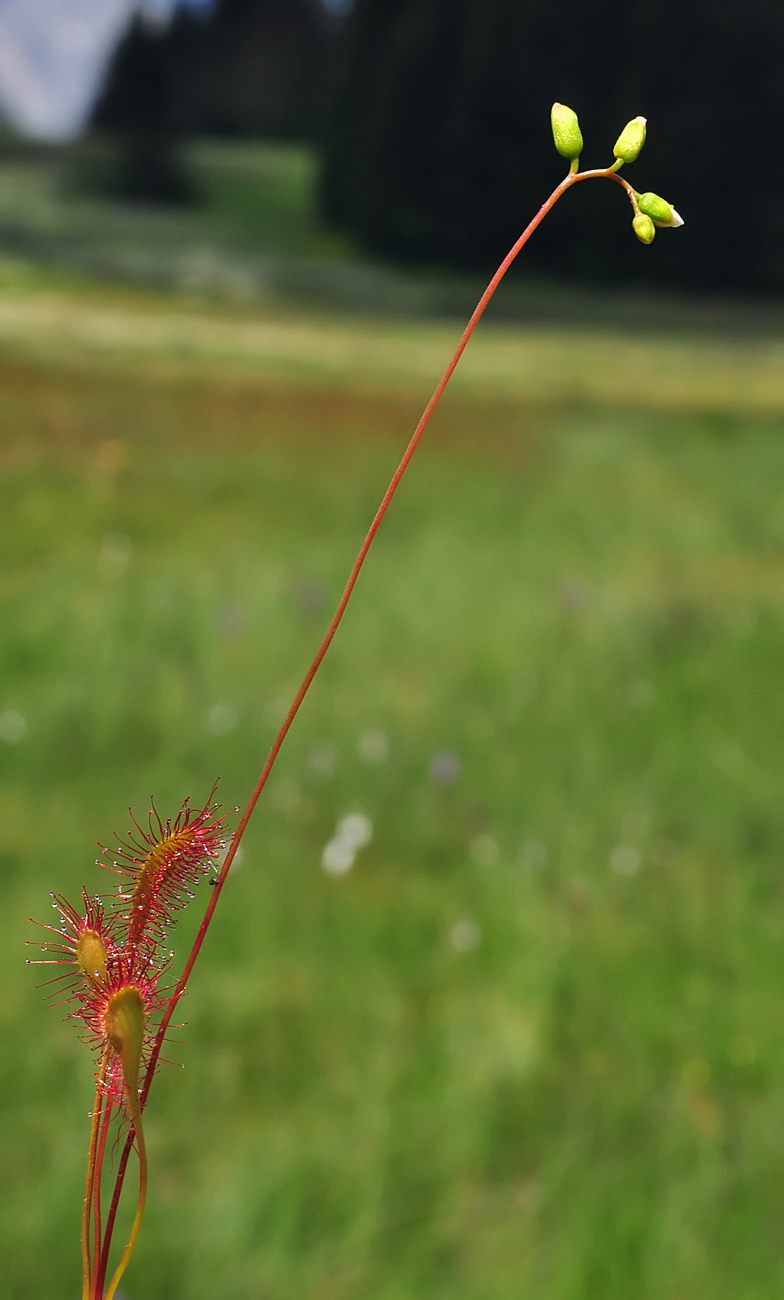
[{"x": 686, "y": 373}]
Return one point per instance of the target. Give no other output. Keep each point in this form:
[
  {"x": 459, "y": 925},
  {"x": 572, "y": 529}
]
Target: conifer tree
[
  {"x": 432, "y": 148},
  {"x": 247, "y": 67}
]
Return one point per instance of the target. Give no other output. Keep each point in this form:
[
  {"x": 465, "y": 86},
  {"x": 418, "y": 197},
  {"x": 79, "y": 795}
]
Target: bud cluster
[{"x": 650, "y": 210}]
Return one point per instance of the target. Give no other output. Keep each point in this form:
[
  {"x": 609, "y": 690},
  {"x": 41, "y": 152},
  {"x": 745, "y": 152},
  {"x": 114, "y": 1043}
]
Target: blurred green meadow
[{"x": 532, "y": 1042}]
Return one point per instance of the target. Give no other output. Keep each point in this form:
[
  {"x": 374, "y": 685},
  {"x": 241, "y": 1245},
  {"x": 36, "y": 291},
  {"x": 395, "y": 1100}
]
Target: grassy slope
[
  {"x": 586, "y": 604},
  {"x": 149, "y": 333}
]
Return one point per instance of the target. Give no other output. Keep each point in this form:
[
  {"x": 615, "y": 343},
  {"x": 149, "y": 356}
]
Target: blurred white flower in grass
[
  {"x": 625, "y": 859},
  {"x": 13, "y": 727},
  {"x": 465, "y": 935},
  {"x": 483, "y": 850},
  {"x": 322, "y": 761},
  {"x": 338, "y": 857},
  {"x": 356, "y": 828},
  {"x": 373, "y": 747},
  {"x": 220, "y": 720},
  {"x": 352, "y": 833},
  {"x": 445, "y": 767}
]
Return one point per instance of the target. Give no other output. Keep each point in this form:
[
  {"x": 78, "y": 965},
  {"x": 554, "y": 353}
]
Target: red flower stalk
[
  {"x": 162, "y": 865},
  {"x": 116, "y": 962}
]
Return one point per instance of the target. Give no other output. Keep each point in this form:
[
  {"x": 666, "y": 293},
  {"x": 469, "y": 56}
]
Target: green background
[{"x": 532, "y": 1043}]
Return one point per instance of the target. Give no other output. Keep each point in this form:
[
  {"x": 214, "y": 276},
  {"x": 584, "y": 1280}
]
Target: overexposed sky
[{"x": 52, "y": 55}]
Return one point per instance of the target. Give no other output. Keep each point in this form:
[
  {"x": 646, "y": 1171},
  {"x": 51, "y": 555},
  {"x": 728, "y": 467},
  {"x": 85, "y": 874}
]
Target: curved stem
[
  {"x": 107, "y": 1119},
  {"x": 89, "y": 1181},
  {"x": 141, "y": 1148},
  {"x": 572, "y": 178},
  {"x": 112, "y": 1215}
]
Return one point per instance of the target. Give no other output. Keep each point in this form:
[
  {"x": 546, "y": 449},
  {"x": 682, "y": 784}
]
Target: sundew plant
[{"x": 114, "y": 951}]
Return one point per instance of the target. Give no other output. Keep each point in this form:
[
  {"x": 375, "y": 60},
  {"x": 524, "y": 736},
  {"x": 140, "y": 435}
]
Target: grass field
[{"x": 532, "y": 1043}]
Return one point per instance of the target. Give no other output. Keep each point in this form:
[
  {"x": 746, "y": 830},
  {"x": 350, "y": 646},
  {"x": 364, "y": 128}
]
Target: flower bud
[
  {"x": 566, "y": 131},
  {"x": 631, "y": 140},
  {"x": 659, "y": 210},
  {"x": 643, "y": 228}
]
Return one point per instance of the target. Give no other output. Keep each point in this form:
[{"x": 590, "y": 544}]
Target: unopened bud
[
  {"x": 659, "y": 210},
  {"x": 643, "y": 228},
  {"x": 566, "y": 131},
  {"x": 631, "y": 140}
]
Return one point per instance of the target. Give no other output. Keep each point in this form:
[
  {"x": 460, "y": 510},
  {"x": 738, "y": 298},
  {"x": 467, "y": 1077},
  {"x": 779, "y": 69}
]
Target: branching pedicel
[{"x": 115, "y": 959}]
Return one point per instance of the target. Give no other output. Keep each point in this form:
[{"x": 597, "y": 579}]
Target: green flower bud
[
  {"x": 643, "y": 228},
  {"x": 566, "y": 131},
  {"x": 631, "y": 140},
  {"x": 659, "y": 210}
]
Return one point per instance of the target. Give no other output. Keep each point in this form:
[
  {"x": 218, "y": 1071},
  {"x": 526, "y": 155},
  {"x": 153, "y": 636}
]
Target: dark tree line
[
  {"x": 248, "y": 67},
  {"x": 245, "y": 68},
  {"x": 438, "y": 144},
  {"x": 433, "y": 119}
]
